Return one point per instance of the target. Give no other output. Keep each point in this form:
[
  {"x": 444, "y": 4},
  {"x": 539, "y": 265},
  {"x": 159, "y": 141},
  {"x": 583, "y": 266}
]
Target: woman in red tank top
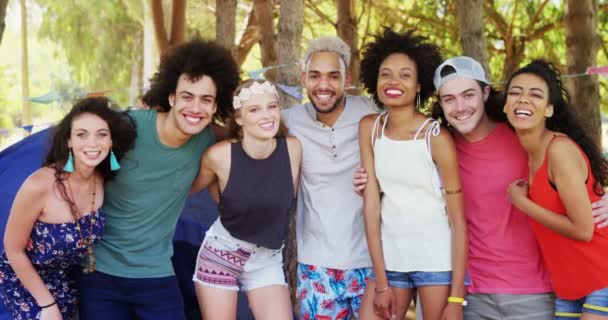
[{"x": 566, "y": 173}]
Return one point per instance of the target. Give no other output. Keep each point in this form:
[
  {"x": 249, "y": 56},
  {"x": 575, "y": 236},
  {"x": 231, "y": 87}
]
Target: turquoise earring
[
  {"x": 113, "y": 162},
  {"x": 69, "y": 165}
]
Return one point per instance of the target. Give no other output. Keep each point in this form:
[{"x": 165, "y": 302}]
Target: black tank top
[{"x": 258, "y": 196}]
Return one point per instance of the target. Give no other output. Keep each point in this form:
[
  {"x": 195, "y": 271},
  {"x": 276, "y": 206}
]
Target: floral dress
[{"x": 58, "y": 250}]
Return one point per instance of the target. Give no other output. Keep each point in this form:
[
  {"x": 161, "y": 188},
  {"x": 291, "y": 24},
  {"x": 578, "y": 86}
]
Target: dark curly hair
[
  {"x": 426, "y": 56},
  {"x": 122, "y": 132},
  {"x": 493, "y": 106},
  {"x": 195, "y": 59},
  {"x": 563, "y": 119}
]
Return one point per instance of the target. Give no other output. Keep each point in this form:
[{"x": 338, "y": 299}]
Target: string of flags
[{"x": 294, "y": 91}]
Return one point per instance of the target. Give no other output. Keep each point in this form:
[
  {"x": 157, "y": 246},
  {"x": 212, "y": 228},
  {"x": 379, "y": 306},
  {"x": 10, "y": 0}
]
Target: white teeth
[
  {"x": 324, "y": 96},
  {"x": 393, "y": 91},
  {"x": 463, "y": 117},
  {"x": 520, "y": 112},
  {"x": 193, "y": 120},
  {"x": 267, "y": 125}
]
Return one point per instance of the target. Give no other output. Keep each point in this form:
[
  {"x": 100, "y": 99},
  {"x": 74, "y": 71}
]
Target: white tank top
[{"x": 414, "y": 225}]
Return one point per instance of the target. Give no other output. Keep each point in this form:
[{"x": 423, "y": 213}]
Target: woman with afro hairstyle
[
  {"x": 567, "y": 173},
  {"x": 56, "y": 217},
  {"x": 414, "y": 245}
]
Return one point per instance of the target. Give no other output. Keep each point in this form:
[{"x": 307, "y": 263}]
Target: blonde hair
[
  {"x": 235, "y": 131},
  {"x": 328, "y": 44}
]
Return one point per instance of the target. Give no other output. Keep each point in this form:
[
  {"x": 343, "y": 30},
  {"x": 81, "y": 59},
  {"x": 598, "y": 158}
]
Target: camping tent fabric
[{"x": 18, "y": 161}]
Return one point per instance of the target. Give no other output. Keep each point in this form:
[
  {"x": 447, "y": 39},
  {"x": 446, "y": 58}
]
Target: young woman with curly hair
[
  {"x": 566, "y": 173},
  {"x": 56, "y": 212},
  {"x": 414, "y": 245}
]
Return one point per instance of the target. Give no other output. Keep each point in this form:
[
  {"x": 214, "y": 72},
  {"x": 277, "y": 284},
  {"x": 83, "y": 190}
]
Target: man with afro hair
[{"x": 134, "y": 277}]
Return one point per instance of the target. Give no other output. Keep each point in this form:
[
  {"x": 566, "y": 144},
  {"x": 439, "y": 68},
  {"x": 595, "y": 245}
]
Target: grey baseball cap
[{"x": 465, "y": 67}]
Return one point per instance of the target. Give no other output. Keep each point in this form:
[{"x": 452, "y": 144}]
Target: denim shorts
[
  {"x": 596, "y": 303},
  {"x": 415, "y": 279}
]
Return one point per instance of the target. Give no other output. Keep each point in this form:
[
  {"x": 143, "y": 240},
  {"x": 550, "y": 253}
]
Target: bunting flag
[
  {"x": 293, "y": 91},
  {"x": 28, "y": 128},
  {"x": 46, "y": 98}
]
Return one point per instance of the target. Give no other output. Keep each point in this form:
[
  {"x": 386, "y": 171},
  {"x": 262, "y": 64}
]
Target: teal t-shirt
[{"x": 144, "y": 201}]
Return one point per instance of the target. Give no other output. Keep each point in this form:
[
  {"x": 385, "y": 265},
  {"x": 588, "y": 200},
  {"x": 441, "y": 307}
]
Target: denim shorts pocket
[{"x": 220, "y": 243}]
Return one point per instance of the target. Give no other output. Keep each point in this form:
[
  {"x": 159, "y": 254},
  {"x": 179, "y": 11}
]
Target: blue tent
[{"x": 21, "y": 159}]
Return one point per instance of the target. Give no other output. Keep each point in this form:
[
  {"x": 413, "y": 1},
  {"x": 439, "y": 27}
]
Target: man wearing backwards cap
[
  {"x": 333, "y": 260},
  {"x": 508, "y": 276}
]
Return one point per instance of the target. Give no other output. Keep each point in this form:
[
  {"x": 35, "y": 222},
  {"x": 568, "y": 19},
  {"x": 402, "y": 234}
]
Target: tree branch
[
  {"x": 320, "y": 13},
  {"x": 158, "y": 20},
  {"x": 496, "y": 17},
  {"x": 537, "y": 13},
  {"x": 537, "y": 33},
  {"x": 178, "y": 22},
  {"x": 512, "y": 22}
]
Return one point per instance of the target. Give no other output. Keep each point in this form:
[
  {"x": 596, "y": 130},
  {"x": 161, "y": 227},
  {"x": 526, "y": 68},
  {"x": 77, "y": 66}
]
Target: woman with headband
[{"x": 257, "y": 171}]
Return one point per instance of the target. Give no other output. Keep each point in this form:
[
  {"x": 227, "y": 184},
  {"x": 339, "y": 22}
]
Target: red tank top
[{"x": 576, "y": 268}]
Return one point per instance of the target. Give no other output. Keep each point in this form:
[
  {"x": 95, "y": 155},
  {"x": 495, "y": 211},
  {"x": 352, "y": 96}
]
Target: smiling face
[
  {"x": 193, "y": 104},
  {"x": 325, "y": 79},
  {"x": 259, "y": 116},
  {"x": 398, "y": 81},
  {"x": 527, "y": 103},
  {"x": 90, "y": 140},
  {"x": 463, "y": 103}
]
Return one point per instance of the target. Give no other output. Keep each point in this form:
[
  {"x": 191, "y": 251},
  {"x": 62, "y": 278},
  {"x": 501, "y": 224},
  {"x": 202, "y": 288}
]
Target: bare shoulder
[
  {"x": 444, "y": 137},
  {"x": 39, "y": 182},
  {"x": 565, "y": 150},
  {"x": 219, "y": 150},
  {"x": 293, "y": 144},
  {"x": 367, "y": 121}
]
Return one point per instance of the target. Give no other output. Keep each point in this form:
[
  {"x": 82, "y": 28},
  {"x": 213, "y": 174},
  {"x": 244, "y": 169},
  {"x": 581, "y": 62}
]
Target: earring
[
  {"x": 418, "y": 100},
  {"x": 69, "y": 165},
  {"x": 113, "y": 162}
]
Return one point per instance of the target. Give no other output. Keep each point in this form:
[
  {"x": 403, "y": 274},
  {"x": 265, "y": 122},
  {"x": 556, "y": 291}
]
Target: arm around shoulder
[{"x": 294, "y": 148}]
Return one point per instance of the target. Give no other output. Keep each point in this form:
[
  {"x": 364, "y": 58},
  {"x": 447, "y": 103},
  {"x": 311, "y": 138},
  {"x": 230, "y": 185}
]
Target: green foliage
[{"x": 99, "y": 38}]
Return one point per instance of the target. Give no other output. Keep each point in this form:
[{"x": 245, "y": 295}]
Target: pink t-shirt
[{"x": 504, "y": 256}]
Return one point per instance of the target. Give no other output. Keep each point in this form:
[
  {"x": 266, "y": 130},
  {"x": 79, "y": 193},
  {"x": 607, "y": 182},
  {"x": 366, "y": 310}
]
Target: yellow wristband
[{"x": 458, "y": 300}]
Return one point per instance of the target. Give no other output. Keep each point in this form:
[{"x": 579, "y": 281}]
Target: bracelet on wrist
[
  {"x": 458, "y": 300},
  {"x": 382, "y": 290},
  {"x": 49, "y": 305}
]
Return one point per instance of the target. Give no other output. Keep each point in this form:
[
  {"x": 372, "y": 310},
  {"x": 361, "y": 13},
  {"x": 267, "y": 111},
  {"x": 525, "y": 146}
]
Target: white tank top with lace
[{"x": 414, "y": 225}]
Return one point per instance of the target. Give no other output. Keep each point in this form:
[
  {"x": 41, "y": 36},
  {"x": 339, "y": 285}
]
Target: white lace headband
[{"x": 255, "y": 88}]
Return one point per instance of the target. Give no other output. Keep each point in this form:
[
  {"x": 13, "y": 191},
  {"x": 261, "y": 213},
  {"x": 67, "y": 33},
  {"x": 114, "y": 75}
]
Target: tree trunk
[
  {"x": 347, "y": 27},
  {"x": 249, "y": 38},
  {"x": 225, "y": 24},
  {"x": 25, "y": 69},
  {"x": 178, "y": 24},
  {"x": 3, "y": 5},
  {"x": 264, "y": 17},
  {"x": 290, "y": 38},
  {"x": 150, "y": 49},
  {"x": 581, "y": 25},
  {"x": 472, "y": 35}
]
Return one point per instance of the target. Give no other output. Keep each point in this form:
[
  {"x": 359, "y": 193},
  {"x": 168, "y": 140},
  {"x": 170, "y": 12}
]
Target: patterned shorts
[
  {"x": 325, "y": 293},
  {"x": 228, "y": 263}
]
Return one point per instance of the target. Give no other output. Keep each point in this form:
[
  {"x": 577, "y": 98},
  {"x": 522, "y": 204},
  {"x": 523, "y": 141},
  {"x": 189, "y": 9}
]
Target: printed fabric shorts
[
  {"x": 596, "y": 303},
  {"x": 225, "y": 262},
  {"x": 415, "y": 279},
  {"x": 325, "y": 293}
]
